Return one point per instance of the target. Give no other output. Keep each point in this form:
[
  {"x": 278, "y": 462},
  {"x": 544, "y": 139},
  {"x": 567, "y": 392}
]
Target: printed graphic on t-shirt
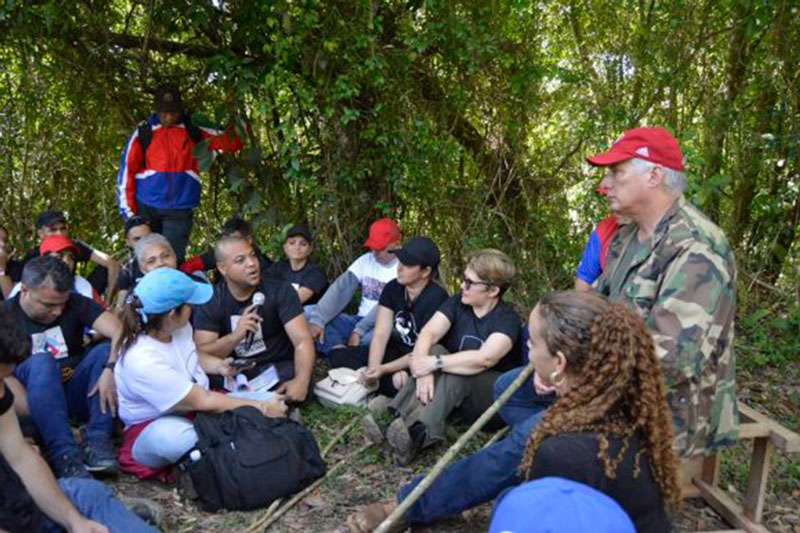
[
  {"x": 50, "y": 341},
  {"x": 470, "y": 342},
  {"x": 296, "y": 286},
  {"x": 371, "y": 288},
  {"x": 406, "y": 326},
  {"x": 256, "y": 347}
]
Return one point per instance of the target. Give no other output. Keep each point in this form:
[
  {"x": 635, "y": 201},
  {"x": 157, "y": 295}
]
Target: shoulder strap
[
  {"x": 195, "y": 134},
  {"x": 145, "y": 135}
]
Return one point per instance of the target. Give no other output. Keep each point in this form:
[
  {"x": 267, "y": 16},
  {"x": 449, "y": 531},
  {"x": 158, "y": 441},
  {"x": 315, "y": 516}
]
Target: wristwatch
[
  {"x": 439, "y": 363},
  {"x": 110, "y": 365}
]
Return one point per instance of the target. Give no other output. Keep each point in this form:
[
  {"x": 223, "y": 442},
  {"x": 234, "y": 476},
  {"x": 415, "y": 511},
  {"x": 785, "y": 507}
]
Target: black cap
[
  {"x": 48, "y": 218},
  {"x": 299, "y": 229},
  {"x": 135, "y": 221},
  {"x": 419, "y": 251},
  {"x": 168, "y": 99}
]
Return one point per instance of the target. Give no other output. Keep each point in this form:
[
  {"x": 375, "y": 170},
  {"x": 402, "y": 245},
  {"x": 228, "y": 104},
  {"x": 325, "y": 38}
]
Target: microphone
[{"x": 258, "y": 301}]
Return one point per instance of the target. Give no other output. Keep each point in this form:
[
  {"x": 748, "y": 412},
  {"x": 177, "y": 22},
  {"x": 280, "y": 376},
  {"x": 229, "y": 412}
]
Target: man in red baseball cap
[
  {"x": 329, "y": 326},
  {"x": 675, "y": 268}
]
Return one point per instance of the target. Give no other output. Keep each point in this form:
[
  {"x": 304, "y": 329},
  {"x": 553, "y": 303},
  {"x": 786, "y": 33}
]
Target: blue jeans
[
  {"x": 482, "y": 476},
  {"x": 96, "y": 502},
  {"x": 338, "y": 330},
  {"x": 53, "y": 404}
]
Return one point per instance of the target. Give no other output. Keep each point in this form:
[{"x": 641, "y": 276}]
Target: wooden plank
[
  {"x": 727, "y": 508},
  {"x": 710, "y": 471},
  {"x": 753, "y": 503},
  {"x": 752, "y": 430},
  {"x": 783, "y": 438}
]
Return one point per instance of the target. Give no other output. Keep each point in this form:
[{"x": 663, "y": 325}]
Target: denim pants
[
  {"x": 168, "y": 438},
  {"x": 174, "y": 224},
  {"x": 338, "y": 330},
  {"x": 96, "y": 502},
  {"x": 482, "y": 476},
  {"x": 52, "y": 404}
]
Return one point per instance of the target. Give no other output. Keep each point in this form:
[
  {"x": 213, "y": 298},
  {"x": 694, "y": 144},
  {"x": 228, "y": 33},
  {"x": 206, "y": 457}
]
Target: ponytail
[{"x": 136, "y": 322}]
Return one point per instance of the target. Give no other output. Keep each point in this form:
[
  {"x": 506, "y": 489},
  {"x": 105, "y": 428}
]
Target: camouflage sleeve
[{"x": 692, "y": 325}]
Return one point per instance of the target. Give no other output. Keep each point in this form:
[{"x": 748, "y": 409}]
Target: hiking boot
[
  {"x": 147, "y": 510},
  {"x": 371, "y": 430},
  {"x": 69, "y": 466},
  {"x": 183, "y": 480},
  {"x": 99, "y": 457},
  {"x": 403, "y": 446}
]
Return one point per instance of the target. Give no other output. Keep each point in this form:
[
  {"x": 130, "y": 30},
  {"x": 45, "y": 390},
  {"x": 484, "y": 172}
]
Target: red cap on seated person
[
  {"x": 382, "y": 233},
  {"x": 656, "y": 145},
  {"x": 57, "y": 243}
]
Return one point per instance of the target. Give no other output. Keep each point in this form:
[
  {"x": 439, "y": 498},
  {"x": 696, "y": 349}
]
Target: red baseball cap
[
  {"x": 382, "y": 233},
  {"x": 656, "y": 145},
  {"x": 57, "y": 243}
]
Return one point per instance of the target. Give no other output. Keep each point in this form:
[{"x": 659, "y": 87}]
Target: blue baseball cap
[
  {"x": 556, "y": 505},
  {"x": 164, "y": 289}
]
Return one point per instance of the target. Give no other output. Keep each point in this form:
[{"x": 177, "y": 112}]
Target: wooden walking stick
[{"x": 450, "y": 454}]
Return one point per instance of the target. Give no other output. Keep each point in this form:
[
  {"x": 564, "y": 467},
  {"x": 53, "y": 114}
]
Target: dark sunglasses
[{"x": 468, "y": 283}]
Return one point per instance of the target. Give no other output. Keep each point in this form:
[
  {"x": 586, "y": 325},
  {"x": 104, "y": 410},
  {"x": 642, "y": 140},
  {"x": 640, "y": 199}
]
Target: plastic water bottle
[{"x": 195, "y": 455}]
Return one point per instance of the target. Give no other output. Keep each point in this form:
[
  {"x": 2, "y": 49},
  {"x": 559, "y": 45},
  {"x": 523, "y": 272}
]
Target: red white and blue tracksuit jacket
[{"x": 167, "y": 178}]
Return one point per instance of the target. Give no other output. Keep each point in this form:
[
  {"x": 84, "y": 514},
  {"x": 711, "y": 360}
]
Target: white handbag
[{"x": 342, "y": 387}]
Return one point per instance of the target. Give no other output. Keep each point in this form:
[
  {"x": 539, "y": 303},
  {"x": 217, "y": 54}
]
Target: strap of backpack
[
  {"x": 145, "y": 135},
  {"x": 195, "y": 134}
]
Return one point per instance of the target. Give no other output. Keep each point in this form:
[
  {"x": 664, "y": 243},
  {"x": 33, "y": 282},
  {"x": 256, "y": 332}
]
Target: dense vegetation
[{"x": 468, "y": 121}]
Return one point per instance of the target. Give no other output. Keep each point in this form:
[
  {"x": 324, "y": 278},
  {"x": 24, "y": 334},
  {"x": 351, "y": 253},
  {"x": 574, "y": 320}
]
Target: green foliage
[{"x": 766, "y": 338}]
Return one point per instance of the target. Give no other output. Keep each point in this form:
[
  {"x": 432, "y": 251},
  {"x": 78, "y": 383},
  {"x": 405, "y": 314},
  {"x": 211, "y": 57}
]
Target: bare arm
[
  {"x": 113, "y": 267},
  {"x": 380, "y": 338},
  {"x": 471, "y": 362},
  {"x": 206, "y": 401},
  {"x": 109, "y": 326},
  {"x": 37, "y": 477},
  {"x": 298, "y": 332},
  {"x": 305, "y": 294},
  {"x": 210, "y": 341},
  {"x": 436, "y": 328}
]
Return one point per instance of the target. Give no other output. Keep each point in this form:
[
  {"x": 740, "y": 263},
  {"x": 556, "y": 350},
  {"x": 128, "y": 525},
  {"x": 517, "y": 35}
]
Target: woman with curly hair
[{"x": 610, "y": 427}]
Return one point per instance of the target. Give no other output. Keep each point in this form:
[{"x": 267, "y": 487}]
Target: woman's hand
[
  {"x": 275, "y": 407},
  {"x": 399, "y": 379}
]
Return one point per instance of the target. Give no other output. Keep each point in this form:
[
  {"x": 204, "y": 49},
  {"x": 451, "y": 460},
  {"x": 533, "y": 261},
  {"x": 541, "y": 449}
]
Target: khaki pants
[{"x": 472, "y": 395}]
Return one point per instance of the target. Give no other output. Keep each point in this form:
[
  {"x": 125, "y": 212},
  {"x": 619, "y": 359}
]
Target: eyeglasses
[{"x": 468, "y": 283}]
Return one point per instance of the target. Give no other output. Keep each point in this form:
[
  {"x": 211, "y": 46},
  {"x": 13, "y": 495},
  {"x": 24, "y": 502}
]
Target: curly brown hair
[{"x": 616, "y": 386}]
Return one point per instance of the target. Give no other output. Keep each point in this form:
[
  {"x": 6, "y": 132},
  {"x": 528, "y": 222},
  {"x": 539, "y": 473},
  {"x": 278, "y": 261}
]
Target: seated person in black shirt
[
  {"x": 31, "y": 500},
  {"x": 136, "y": 227},
  {"x": 273, "y": 333},
  {"x": 405, "y": 306},
  {"x": 233, "y": 227},
  {"x": 307, "y": 278},
  {"x": 610, "y": 427},
  {"x": 10, "y": 269},
  {"x": 468, "y": 342},
  {"x": 105, "y": 275},
  {"x": 64, "y": 379}
]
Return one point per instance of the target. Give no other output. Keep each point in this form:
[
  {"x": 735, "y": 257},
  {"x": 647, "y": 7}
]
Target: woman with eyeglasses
[{"x": 459, "y": 353}]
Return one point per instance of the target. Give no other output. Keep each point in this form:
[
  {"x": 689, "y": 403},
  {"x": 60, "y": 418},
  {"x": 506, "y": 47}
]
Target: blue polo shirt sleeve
[{"x": 589, "y": 268}]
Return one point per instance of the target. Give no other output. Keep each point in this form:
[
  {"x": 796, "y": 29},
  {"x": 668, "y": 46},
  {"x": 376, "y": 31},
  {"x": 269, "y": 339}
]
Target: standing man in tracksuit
[{"x": 158, "y": 176}]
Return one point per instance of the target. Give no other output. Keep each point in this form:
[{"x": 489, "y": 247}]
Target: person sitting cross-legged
[
  {"x": 55, "y": 319},
  {"x": 406, "y": 305},
  {"x": 31, "y": 500},
  {"x": 161, "y": 374},
  {"x": 457, "y": 357},
  {"x": 610, "y": 428},
  {"x": 271, "y": 333}
]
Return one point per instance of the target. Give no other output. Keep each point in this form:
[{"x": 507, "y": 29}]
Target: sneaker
[
  {"x": 372, "y": 431},
  {"x": 400, "y": 441},
  {"x": 147, "y": 510},
  {"x": 69, "y": 466},
  {"x": 99, "y": 457}
]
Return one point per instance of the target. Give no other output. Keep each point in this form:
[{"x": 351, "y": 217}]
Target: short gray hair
[
  {"x": 147, "y": 240},
  {"x": 674, "y": 180}
]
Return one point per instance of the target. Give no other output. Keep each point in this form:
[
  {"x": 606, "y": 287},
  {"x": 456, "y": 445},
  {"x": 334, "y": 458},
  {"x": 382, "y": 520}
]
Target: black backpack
[
  {"x": 247, "y": 460},
  {"x": 145, "y": 130}
]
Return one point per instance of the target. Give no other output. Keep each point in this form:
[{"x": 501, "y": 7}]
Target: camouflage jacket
[{"x": 682, "y": 282}]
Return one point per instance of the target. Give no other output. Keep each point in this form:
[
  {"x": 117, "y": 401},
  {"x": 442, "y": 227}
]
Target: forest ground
[{"x": 371, "y": 477}]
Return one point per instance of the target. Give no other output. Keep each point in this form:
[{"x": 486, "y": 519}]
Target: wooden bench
[{"x": 700, "y": 476}]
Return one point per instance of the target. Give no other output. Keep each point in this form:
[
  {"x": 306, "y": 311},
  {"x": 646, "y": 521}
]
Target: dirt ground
[{"x": 370, "y": 477}]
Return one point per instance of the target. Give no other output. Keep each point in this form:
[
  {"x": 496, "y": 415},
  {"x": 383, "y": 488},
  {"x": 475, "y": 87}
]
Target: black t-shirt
[
  {"x": 574, "y": 456},
  {"x": 281, "y": 305},
  {"x": 130, "y": 275},
  {"x": 311, "y": 276},
  {"x": 18, "y": 512},
  {"x": 468, "y": 332},
  {"x": 13, "y": 271},
  {"x": 63, "y": 338},
  {"x": 410, "y": 317}
]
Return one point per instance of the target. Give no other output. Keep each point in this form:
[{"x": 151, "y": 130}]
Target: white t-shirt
[
  {"x": 153, "y": 376},
  {"x": 372, "y": 276}
]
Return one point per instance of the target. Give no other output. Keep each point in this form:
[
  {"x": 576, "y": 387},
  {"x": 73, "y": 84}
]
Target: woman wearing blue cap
[{"x": 160, "y": 374}]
